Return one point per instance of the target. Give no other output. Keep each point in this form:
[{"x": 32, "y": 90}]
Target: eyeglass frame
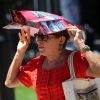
[
  {"x": 44, "y": 37},
  {"x": 57, "y": 35}
]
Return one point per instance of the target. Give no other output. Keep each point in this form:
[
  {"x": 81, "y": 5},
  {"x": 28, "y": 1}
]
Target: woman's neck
[
  {"x": 53, "y": 61},
  {"x": 55, "y": 57}
]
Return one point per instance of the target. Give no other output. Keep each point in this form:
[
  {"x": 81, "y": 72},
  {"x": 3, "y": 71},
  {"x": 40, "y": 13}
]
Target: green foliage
[{"x": 22, "y": 93}]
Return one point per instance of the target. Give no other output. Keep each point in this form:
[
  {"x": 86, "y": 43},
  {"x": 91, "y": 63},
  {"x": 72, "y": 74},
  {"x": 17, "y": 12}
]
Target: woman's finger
[
  {"x": 76, "y": 35},
  {"x": 74, "y": 29},
  {"x": 27, "y": 30},
  {"x": 23, "y": 33},
  {"x": 28, "y": 37},
  {"x": 20, "y": 36},
  {"x": 72, "y": 33}
]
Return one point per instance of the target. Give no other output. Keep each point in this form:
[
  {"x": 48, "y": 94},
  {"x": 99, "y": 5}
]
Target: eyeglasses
[
  {"x": 42, "y": 37},
  {"x": 46, "y": 37}
]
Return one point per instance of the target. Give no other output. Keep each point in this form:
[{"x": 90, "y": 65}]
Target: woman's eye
[{"x": 45, "y": 38}]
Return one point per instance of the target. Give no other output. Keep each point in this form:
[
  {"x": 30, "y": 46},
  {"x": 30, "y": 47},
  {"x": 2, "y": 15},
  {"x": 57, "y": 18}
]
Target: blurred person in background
[
  {"x": 70, "y": 9},
  {"x": 47, "y": 71}
]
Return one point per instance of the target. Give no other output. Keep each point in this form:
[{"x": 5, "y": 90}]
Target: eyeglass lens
[{"x": 42, "y": 37}]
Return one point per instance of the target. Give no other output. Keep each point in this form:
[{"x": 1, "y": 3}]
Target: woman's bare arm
[
  {"x": 94, "y": 62},
  {"x": 11, "y": 79},
  {"x": 92, "y": 58}
]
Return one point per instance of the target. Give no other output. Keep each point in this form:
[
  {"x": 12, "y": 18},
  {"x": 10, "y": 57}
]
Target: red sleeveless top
[{"x": 48, "y": 83}]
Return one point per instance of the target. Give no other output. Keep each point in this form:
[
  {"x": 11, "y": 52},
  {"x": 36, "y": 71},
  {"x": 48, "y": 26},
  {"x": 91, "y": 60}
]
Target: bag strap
[{"x": 71, "y": 66}]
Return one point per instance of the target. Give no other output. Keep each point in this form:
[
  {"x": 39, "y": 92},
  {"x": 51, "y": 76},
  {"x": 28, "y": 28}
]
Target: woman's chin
[{"x": 41, "y": 51}]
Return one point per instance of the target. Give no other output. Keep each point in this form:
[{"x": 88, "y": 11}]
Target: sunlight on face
[{"x": 48, "y": 47}]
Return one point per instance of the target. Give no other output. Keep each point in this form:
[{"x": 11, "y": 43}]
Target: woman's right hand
[{"x": 24, "y": 40}]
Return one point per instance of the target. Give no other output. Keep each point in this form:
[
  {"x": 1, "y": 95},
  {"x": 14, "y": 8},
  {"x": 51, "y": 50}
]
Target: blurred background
[{"x": 81, "y": 12}]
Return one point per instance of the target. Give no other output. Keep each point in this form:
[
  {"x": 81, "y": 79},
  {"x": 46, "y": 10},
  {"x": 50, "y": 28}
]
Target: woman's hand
[
  {"x": 77, "y": 36},
  {"x": 24, "y": 40}
]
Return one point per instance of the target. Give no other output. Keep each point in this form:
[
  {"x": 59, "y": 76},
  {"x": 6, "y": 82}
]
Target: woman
[{"x": 47, "y": 71}]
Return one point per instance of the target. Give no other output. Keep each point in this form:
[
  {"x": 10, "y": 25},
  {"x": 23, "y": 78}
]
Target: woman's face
[{"x": 48, "y": 45}]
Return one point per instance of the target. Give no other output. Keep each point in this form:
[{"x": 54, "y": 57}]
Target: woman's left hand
[{"x": 77, "y": 36}]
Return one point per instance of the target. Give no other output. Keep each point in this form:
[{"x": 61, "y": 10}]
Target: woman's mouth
[{"x": 40, "y": 47}]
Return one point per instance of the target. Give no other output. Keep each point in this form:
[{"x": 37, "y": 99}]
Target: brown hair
[{"x": 63, "y": 33}]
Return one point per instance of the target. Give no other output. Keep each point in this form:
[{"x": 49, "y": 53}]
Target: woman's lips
[{"x": 40, "y": 47}]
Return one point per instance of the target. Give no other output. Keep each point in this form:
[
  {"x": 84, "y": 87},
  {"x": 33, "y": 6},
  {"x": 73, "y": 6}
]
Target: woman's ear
[{"x": 62, "y": 40}]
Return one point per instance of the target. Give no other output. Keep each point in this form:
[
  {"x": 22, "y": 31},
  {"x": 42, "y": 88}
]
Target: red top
[{"x": 48, "y": 83}]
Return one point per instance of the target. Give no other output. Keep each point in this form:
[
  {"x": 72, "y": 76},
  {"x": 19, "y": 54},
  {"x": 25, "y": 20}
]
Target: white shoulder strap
[{"x": 71, "y": 66}]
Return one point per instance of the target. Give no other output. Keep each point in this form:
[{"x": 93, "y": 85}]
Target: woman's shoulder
[
  {"x": 36, "y": 59},
  {"x": 77, "y": 55},
  {"x": 76, "y": 52},
  {"x": 39, "y": 57},
  {"x": 69, "y": 52},
  {"x": 32, "y": 63}
]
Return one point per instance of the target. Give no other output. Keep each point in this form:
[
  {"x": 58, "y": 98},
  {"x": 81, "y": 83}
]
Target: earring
[{"x": 60, "y": 46}]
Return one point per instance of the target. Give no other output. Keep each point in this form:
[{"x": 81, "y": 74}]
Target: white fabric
[{"x": 80, "y": 85}]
